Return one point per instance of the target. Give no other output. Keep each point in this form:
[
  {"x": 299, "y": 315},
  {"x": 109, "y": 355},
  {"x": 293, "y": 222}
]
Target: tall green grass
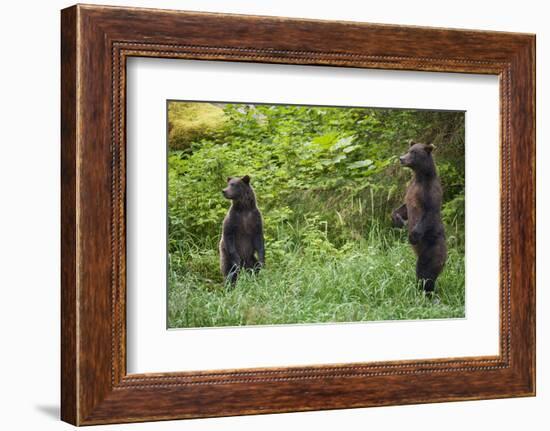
[{"x": 366, "y": 280}]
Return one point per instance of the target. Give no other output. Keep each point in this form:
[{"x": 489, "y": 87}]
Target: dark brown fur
[
  {"x": 242, "y": 231},
  {"x": 422, "y": 211}
]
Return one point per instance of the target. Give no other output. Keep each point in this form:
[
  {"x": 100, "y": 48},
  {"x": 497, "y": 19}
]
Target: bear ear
[
  {"x": 429, "y": 148},
  {"x": 411, "y": 142},
  {"x": 228, "y": 179},
  {"x": 246, "y": 179}
]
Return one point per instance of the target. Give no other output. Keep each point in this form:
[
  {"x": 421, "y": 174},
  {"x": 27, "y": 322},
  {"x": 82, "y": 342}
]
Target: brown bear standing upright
[
  {"x": 242, "y": 231},
  {"x": 422, "y": 209}
]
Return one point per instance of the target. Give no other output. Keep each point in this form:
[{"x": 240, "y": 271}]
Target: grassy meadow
[{"x": 326, "y": 180}]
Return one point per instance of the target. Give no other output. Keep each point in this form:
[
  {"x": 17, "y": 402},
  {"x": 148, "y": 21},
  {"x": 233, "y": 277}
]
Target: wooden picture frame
[{"x": 95, "y": 43}]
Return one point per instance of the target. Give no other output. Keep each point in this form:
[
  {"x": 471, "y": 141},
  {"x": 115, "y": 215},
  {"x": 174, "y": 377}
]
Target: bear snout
[{"x": 402, "y": 160}]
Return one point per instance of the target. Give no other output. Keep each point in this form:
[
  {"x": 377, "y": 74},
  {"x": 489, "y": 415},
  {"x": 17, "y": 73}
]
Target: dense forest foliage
[{"x": 326, "y": 181}]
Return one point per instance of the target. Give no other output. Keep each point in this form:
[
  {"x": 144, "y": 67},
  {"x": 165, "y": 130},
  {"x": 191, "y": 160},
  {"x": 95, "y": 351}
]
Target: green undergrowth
[{"x": 367, "y": 281}]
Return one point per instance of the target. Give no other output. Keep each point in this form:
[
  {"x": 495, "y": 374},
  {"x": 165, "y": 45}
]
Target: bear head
[
  {"x": 419, "y": 157},
  {"x": 238, "y": 189}
]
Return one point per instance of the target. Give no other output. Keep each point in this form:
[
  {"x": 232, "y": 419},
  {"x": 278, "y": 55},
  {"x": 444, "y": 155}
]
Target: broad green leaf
[
  {"x": 360, "y": 164},
  {"x": 342, "y": 143}
]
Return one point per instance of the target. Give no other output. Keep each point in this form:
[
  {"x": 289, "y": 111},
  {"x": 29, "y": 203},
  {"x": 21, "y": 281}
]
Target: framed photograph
[{"x": 264, "y": 214}]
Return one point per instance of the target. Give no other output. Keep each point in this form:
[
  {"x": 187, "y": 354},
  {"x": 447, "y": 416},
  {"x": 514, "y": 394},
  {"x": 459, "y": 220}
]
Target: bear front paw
[{"x": 397, "y": 220}]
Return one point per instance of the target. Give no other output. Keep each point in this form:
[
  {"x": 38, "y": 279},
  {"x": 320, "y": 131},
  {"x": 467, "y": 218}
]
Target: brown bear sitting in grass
[
  {"x": 422, "y": 210},
  {"x": 242, "y": 231}
]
